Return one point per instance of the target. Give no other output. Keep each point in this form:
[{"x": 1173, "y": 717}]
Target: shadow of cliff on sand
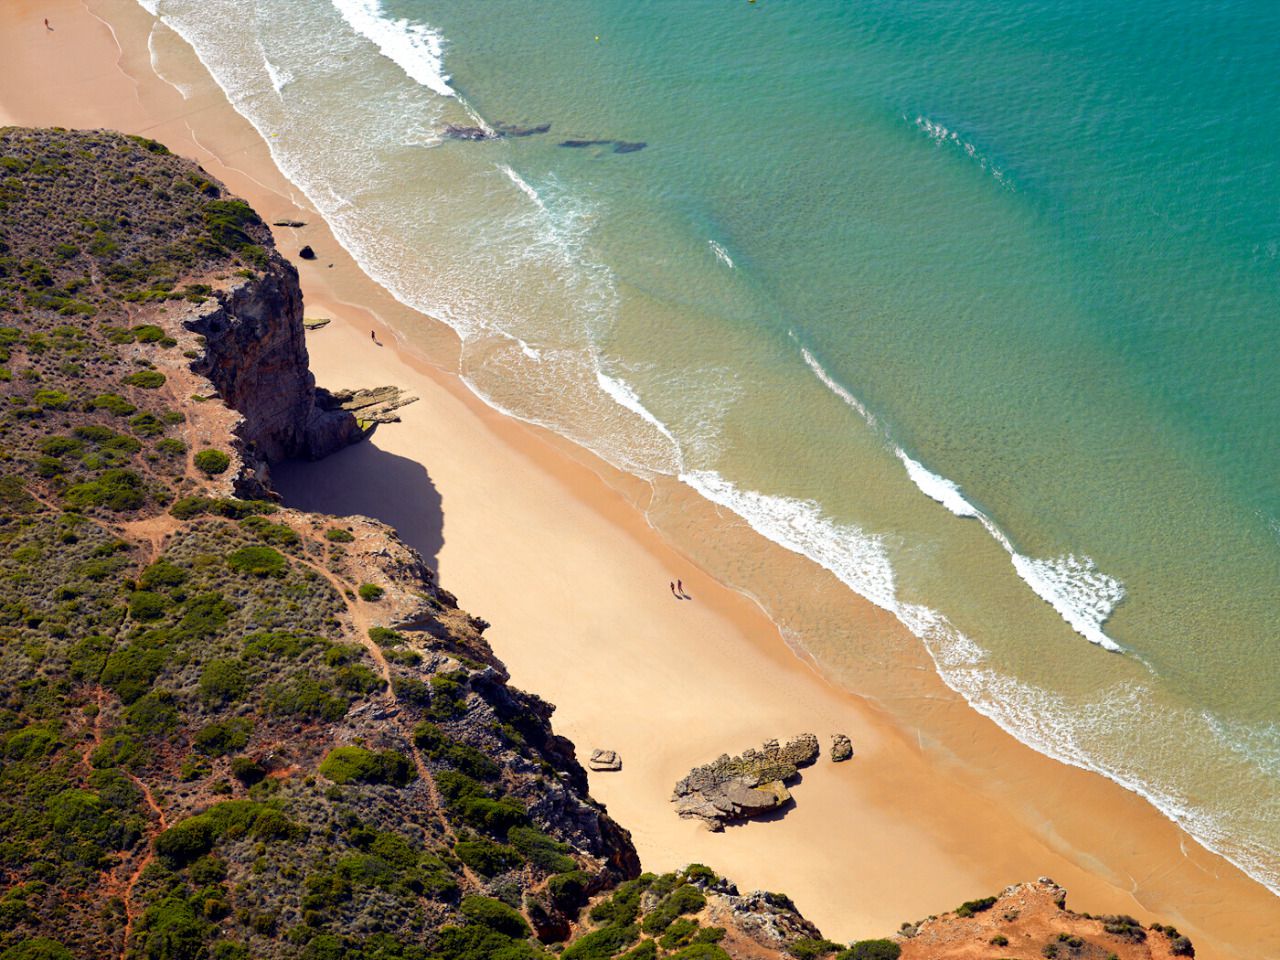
[{"x": 362, "y": 479}]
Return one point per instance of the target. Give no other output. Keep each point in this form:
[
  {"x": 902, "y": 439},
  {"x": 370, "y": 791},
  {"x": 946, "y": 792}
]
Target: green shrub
[
  {"x": 146, "y": 379},
  {"x": 39, "y": 948},
  {"x": 999, "y": 940},
  {"x": 305, "y": 697},
  {"x": 187, "y": 507},
  {"x": 205, "y": 614},
  {"x": 113, "y": 403},
  {"x": 222, "y": 681},
  {"x": 440, "y": 747},
  {"x": 683, "y": 899},
  {"x": 809, "y": 948},
  {"x": 486, "y": 857},
  {"x": 278, "y": 533},
  {"x": 148, "y": 333},
  {"x": 872, "y": 950},
  {"x": 115, "y": 489},
  {"x": 51, "y": 399},
  {"x": 230, "y": 820},
  {"x": 147, "y": 425},
  {"x": 223, "y": 737},
  {"x": 700, "y": 951},
  {"x": 131, "y": 670},
  {"x": 337, "y": 535},
  {"x": 357, "y": 765},
  {"x": 162, "y": 573},
  {"x": 970, "y": 907},
  {"x": 153, "y": 713},
  {"x": 602, "y": 944},
  {"x": 212, "y": 462},
  {"x": 384, "y": 637},
  {"x": 681, "y": 932},
  {"x": 144, "y": 605},
  {"x": 30, "y": 743},
  {"x": 644, "y": 950},
  {"x": 258, "y": 561},
  {"x": 60, "y": 446},
  {"x": 371, "y": 591},
  {"x": 495, "y": 915},
  {"x": 542, "y": 851},
  {"x": 568, "y": 891},
  {"x": 247, "y": 771}
]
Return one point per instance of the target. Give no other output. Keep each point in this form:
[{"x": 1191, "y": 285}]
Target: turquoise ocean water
[{"x": 975, "y": 304}]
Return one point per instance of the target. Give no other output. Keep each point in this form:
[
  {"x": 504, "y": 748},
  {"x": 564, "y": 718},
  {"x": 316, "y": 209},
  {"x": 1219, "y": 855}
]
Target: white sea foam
[
  {"x": 182, "y": 88},
  {"x": 939, "y": 488},
  {"x": 523, "y": 184},
  {"x": 858, "y": 559},
  {"x": 415, "y": 48},
  {"x": 821, "y": 373},
  {"x": 625, "y": 396},
  {"x": 278, "y": 76},
  {"x": 1082, "y": 595},
  {"x": 941, "y": 135},
  {"x": 721, "y": 254}
]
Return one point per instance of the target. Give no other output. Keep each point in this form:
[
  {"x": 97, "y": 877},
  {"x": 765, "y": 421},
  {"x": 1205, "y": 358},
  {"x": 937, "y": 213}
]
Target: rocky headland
[{"x": 231, "y": 729}]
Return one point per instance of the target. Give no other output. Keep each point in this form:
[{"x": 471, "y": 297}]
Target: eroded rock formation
[{"x": 745, "y": 786}]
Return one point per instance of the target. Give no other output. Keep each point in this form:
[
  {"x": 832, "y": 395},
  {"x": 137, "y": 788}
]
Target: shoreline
[{"x": 933, "y": 830}]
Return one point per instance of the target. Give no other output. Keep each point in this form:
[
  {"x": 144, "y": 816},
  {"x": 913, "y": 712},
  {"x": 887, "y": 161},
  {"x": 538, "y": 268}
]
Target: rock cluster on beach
[{"x": 749, "y": 785}]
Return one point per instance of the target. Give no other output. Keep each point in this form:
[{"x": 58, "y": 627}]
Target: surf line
[{"x": 1081, "y": 594}]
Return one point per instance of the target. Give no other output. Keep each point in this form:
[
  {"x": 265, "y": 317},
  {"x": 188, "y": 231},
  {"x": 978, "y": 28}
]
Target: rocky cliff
[{"x": 255, "y": 355}]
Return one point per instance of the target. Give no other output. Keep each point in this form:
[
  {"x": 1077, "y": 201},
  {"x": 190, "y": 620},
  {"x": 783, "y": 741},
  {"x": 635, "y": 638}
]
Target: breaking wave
[
  {"x": 941, "y": 136},
  {"x": 1081, "y": 594},
  {"x": 721, "y": 254}
]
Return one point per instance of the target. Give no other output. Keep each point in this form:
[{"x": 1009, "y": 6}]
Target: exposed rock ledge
[
  {"x": 255, "y": 354},
  {"x": 749, "y": 785}
]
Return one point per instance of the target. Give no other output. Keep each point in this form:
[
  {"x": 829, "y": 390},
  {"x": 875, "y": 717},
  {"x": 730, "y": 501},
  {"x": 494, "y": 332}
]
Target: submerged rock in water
[
  {"x": 454, "y": 132},
  {"x": 512, "y": 130},
  {"x": 738, "y": 788},
  {"x": 619, "y": 146},
  {"x": 841, "y": 747}
]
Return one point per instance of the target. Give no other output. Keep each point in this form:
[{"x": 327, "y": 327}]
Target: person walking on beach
[
  {"x": 680, "y": 587},
  {"x": 673, "y": 592},
  {"x": 46, "y": 24}
]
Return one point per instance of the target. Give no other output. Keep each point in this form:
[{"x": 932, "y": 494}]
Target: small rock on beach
[
  {"x": 604, "y": 760},
  {"x": 841, "y": 747}
]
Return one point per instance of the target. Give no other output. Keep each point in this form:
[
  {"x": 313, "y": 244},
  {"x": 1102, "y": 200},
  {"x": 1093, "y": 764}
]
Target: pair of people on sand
[{"x": 677, "y": 591}]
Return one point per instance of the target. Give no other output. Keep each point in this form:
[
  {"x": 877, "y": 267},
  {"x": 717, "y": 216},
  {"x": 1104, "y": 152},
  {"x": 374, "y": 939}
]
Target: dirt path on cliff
[{"x": 358, "y": 611}]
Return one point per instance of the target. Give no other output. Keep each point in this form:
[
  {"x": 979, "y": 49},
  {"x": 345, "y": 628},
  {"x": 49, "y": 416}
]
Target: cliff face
[{"x": 255, "y": 354}]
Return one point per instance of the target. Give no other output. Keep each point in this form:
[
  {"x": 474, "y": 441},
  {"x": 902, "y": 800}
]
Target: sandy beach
[{"x": 548, "y": 544}]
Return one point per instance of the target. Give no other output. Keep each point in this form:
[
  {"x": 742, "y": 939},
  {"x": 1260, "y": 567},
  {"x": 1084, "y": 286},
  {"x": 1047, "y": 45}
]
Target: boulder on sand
[
  {"x": 749, "y": 785},
  {"x": 841, "y": 747},
  {"x": 604, "y": 760}
]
